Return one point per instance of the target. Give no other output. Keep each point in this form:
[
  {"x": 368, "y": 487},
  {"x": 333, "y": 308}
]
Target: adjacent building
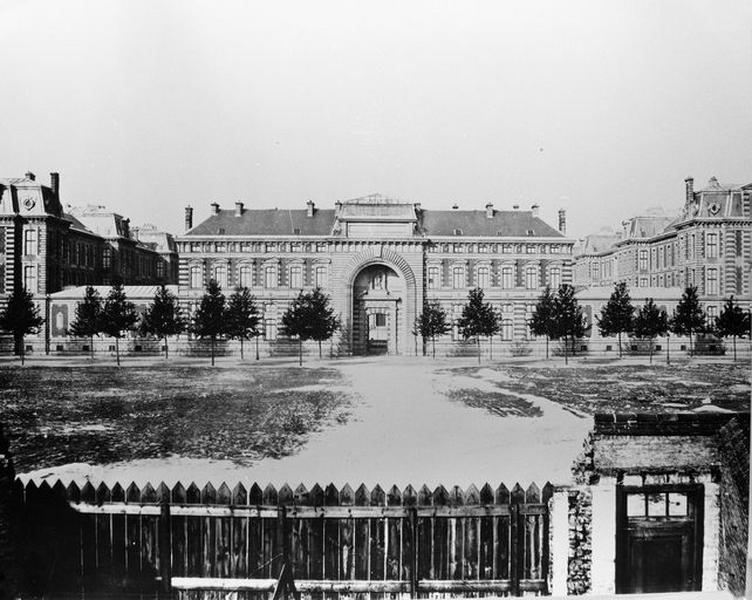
[{"x": 46, "y": 248}]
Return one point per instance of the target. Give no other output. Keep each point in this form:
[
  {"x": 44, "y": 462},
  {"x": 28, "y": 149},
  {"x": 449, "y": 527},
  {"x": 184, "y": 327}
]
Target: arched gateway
[{"x": 382, "y": 304}]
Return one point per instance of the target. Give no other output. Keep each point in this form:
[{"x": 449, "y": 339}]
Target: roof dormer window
[{"x": 457, "y": 231}]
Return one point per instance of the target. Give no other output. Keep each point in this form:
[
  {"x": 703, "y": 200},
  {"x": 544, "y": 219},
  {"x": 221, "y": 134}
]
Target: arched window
[
  {"x": 197, "y": 276},
  {"x": 270, "y": 276},
  {"x": 244, "y": 276},
  {"x": 531, "y": 278},
  {"x": 296, "y": 276},
  {"x": 220, "y": 275},
  {"x": 458, "y": 277},
  {"x": 434, "y": 280},
  {"x": 482, "y": 279},
  {"x": 554, "y": 278},
  {"x": 507, "y": 277},
  {"x": 321, "y": 276}
]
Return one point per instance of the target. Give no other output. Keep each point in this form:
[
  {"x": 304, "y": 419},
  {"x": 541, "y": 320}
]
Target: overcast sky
[{"x": 602, "y": 108}]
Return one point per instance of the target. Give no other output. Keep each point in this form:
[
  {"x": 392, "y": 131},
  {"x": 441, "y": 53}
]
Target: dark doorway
[{"x": 659, "y": 538}]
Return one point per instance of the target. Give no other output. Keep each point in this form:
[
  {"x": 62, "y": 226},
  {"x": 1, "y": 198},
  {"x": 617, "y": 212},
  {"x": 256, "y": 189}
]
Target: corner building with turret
[{"x": 379, "y": 260}]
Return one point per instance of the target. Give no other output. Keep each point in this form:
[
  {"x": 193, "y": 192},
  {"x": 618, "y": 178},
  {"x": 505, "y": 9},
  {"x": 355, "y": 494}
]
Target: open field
[
  {"x": 103, "y": 414},
  {"x": 373, "y": 420}
]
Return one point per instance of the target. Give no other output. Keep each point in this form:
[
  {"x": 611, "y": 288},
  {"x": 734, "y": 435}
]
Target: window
[
  {"x": 160, "y": 269},
  {"x": 458, "y": 277},
  {"x": 107, "y": 258},
  {"x": 507, "y": 329},
  {"x": 270, "y": 276},
  {"x": 30, "y": 242},
  {"x": 197, "y": 276},
  {"x": 244, "y": 276},
  {"x": 712, "y": 312},
  {"x": 507, "y": 277},
  {"x": 738, "y": 240},
  {"x": 380, "y": 319},
  {"x": 482, "y": 277},
  {"x": 711, "y": 281},
  {"x": 456, "y": 315},
  {"x": 321, "y": 276},
  {"x": 30, "y": 279},
  {"x": 220, "y": 275},
  {"x": 643, "y": 282},
  {"x": 643, "y": 260},
  {"x": 711, "y": 245},
  {"x": 296, "y": 276},
  {"x": 270, "y": 322},
  {"x": 554, "y": 278},
  {"x": 531, "y": 278},
  {"x": 529, "y": 314},
  {"x": 433, "y": 278}
]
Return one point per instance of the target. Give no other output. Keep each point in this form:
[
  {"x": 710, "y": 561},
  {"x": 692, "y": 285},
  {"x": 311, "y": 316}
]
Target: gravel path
[{"x": 404, "y": 430}]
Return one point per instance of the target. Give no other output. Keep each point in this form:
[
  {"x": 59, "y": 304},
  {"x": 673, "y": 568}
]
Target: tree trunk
[
  {"x": 651, "y": 350},
  {"x": 433, "y": 347},
  {"x": 477, "y": 340},
  {"x": 734, "y": 338},
  {"x": 22, "y": 351},
  {"x": 566, "y": 351},
  {"x": 241, "y": 348},
  {"x": 117, "y": 350},
  {"x": 547, "y": 348},
  {"x": 490, "y": 347},
  {"x": 257, "y": 349},
  {"x": 212, "y": 350},
  {"x": 300, "y": 352},
  {"x": 668, "y": 349},
  {"x": 91, "y": 347},
  {"x": 166, "y": 349},
  {"x": 691, "y": 349},
  {"x": 320, "y": 354},
  {"x": 618, "y": 336}
]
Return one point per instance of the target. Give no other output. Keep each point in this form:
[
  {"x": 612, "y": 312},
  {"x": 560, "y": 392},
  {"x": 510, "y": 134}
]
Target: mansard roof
[
  {"x": 476, "y": 223},
  {"x": 267, "y": 221}
]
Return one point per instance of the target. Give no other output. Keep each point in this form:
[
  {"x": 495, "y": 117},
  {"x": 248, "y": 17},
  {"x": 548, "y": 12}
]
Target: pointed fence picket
[{"x": 417, "y": 541}]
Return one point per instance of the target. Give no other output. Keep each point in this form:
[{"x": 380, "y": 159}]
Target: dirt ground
[{"x": 408, "y": 420}]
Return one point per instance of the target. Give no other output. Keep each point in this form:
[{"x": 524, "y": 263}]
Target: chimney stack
[
  {"x": 310, "y": 207},
  {"x": 536, "y": 210},
  {"x": 215, "y": 208},
  {"x": 563, "y": 221},
  {"x": 55, "y": 184},
  {"x": 455, "y": 206},
  {"x": 238, "y": 209},
  {"x": 489, "y": 211},
  {"x": 516, "y": 206},
  {"x": 188, "y": 218},
  {"x": 30, "y": 176},
  {"x": 689, "y": 187}
]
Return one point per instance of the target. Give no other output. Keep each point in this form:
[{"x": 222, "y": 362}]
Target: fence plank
[
  {"x": 424, "y": 540},
  {"x": 361, "y": 536},
  {"x": 331, "y": 536},
  {"x": 149, "y": 526},
  {"x": 316, "y": 528},
  {"x": 239, "y": 549},
  {"x": 300, "y": 537},
  {"x": 394, "y": 537},
  {"x": 119, "y": 543},
  {"x": 194, "y": 545},
  {"x": 255, "y": 535},
  {"x": 133, "y": 535},
  {"x": 224, "y": 533},
  {"x": 179, "y": 534},
  {"x": 208, "y": 534},
  {"x": 377, "y": 534},
  {"x": 441, "y": 535}
]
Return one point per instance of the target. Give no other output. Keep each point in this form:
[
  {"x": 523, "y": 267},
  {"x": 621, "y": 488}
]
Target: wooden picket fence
[{"x": 195, "y": 541}]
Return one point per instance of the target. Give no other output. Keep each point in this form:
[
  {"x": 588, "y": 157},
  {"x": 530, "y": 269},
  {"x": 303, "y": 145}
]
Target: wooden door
[{"x": 659, "y": 539}]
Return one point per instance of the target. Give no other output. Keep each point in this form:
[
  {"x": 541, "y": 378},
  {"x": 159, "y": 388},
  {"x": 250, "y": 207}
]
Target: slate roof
[
  {"x": 270, "y": 221},
  {"x": 475, "y": 223}
]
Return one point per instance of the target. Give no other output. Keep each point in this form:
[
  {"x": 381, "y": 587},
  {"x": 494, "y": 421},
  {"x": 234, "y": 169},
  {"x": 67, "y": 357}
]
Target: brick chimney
[
  {"x": 563, "y": 221},
  {"x": 489, "y": 211},
  {"x": 55, "y": 184},
  {"x": 689, "y": 190},
  {"x": 535, "y": 210},
  {"x": 516, "y": 207},
  {"x": 238, "y": 209},
  {"x": 188, "y": 218},
  {"x": 215, "y": 208},
  {"x": 310, "y": 207},
  {"x": 30, "y": 176}
]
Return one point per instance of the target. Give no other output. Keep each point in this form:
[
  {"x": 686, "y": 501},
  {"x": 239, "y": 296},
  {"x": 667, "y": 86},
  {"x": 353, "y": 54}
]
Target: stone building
[
  {"x": 708, "y": 244},
  {"x": 379, "y": 259},
  {"x": 46, "y": 248}
]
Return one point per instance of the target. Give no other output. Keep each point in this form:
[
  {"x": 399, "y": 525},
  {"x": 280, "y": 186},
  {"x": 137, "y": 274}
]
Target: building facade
[
  {"x": 380, "y": 260},
  {"x": 708, "y": 244},
  {"x": 46, "y": 248}
]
